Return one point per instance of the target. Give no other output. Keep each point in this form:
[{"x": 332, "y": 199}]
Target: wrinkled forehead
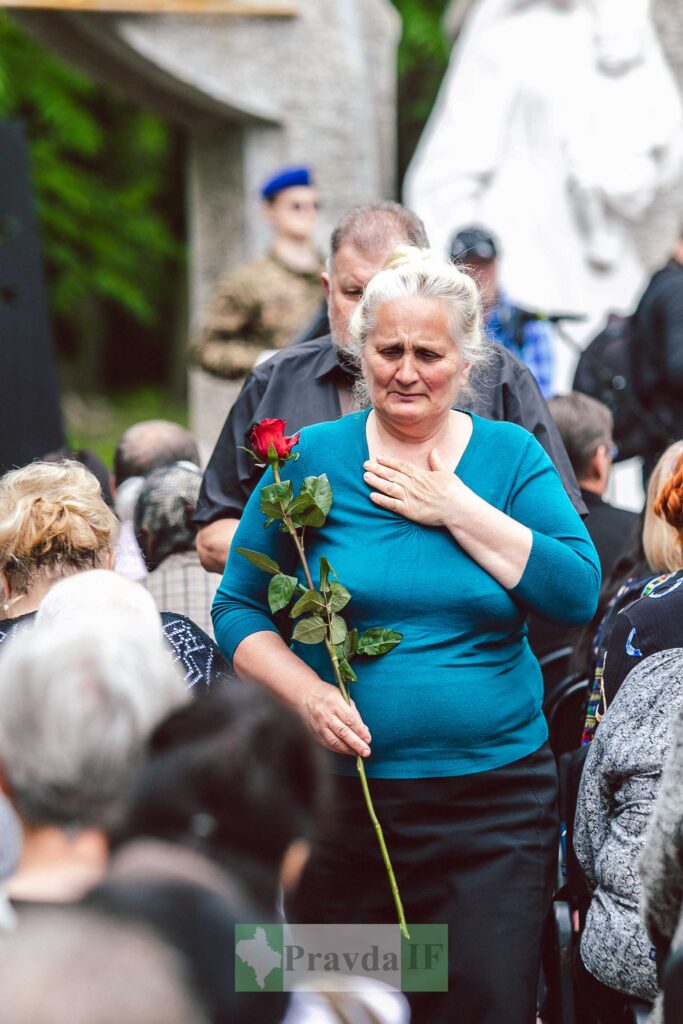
[{"x": 354, "y": 265}]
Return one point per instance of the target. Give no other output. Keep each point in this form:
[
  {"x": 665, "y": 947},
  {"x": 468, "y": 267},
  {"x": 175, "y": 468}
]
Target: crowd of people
[{"x": 173, "y": 762}]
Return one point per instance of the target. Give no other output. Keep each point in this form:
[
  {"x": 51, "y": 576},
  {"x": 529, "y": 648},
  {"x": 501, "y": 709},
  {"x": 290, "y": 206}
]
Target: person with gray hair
[
  {"x": 166, "y": 534},
  {"x": 141, "y": 449},
  {"x": 150, "y": 444},
  {"x": 106, "y": 594},
  {"x": 78, "y": 700},
  {"x": 312, "y": 382},
  {"x": 448, "y": 528},
  {"x": 585, "y": 426}
]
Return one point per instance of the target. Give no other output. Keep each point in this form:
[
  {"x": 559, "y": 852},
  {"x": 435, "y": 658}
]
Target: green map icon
[{"x": 258, "y": 958}]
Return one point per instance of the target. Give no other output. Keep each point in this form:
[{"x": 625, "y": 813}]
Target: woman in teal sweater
[{"x": 448, "y": 528}]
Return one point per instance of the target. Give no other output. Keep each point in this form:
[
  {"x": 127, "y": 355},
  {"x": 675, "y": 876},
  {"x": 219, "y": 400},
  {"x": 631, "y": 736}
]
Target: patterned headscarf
[{"x": 164, "y": 510}]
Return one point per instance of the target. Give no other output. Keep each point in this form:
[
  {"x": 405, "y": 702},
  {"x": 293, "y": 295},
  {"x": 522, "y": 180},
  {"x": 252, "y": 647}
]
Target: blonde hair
[
  {"x": 53, "y": 521},
  {"x": 410, "y": 272},
  {"x": 661, "y": 540}
]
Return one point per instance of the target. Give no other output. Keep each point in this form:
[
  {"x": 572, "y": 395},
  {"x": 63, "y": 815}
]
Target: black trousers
[{"x": 476, "y": 852}]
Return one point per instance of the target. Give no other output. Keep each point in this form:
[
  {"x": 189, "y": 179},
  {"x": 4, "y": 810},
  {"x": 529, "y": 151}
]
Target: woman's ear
[
  {"x": 464, "y": 374},
  {"x": 5, "y": 584}
]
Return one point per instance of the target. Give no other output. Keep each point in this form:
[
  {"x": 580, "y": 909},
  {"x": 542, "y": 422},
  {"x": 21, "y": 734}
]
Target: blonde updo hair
[
  {"x": 53, "y": 522},
  {"x": 410, "y": 273},
  {"x": 661, "y": 534}
]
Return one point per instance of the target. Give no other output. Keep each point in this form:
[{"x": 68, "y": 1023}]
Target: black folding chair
[
  {"x": 555, "y": 668},
  {"x": 565, "y": 713}
]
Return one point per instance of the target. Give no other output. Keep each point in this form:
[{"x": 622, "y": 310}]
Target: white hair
[
  {"x": 410, "y": 273},
  {"x": 78, "y": 700},
  {"x": 101, "y": 593}
]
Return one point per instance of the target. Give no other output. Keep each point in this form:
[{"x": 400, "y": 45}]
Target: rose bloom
[{"x": 269, "y": 432}]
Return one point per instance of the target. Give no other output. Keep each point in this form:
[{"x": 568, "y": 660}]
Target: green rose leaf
[
  {"x": 260, "y": 561},
  {"x": 338, "y": 629},
  {"x": 351, "y": 644},
  {"x": 313, "y": 518},
  {"x": 302, "y": 503},
  {"x": 312, "y": 601},
  {"x": 281, "y": 590},
  {"x": 347, "y": 672},
  {"x": 310, "y": 631},
  {"x": 339, "y": 597},
  {"x": 325, "y": 570},
  {"x": 374, "y": 642},
  {"x": 320, "y": 490},
  {"x": 275, "y": 499}
]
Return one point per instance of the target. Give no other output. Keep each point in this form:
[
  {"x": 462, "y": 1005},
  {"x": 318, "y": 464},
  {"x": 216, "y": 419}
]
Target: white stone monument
[{"x": 558, "y": 124}]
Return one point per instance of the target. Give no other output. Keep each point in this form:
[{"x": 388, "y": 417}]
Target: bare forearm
[
  {"x": 265, "y": 658},
  {"x": 213, "y": 543},
  {"x": 499, "y": 544}
]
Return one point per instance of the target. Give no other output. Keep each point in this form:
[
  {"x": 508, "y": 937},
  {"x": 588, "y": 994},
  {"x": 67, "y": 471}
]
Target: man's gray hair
[
  {"x": 78, "y": 700},
  {"x": 152, "y": 443},
  {"x": 377, "y": 226},
  {"x": 584, "y": 424}
]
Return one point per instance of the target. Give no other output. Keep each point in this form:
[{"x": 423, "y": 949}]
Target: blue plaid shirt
[{"x": 534, "y": 345}]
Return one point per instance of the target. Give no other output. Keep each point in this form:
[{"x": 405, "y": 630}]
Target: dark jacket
[
  {"x": 657, "y": 353},
  {"x": 301, "y": 385},
  {"x": 610, "y": 530}
]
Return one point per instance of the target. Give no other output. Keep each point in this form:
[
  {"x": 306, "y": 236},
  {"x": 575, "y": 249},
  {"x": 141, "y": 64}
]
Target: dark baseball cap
[{"x": 472, "y": 244}]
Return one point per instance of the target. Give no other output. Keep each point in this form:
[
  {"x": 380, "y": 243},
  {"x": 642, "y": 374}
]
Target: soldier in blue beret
[{"x": 263, "y": 304}]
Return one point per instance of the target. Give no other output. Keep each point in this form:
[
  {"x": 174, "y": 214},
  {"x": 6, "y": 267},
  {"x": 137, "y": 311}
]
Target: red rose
[{"x": 269, "y": 432}]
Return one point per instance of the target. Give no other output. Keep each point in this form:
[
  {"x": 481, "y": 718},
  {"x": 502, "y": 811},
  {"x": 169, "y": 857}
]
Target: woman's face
[{"x": 413, "y": 368}]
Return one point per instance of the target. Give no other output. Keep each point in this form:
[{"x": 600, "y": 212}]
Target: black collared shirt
[{"x": 301, "y": 385}]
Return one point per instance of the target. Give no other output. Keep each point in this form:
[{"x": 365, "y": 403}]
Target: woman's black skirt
[{"x": 476, "y": 852}]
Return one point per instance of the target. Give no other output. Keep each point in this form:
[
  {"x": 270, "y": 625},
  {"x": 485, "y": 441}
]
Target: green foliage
[
  {"x": 99, "y": 168},
  {"x": 260, "y": 560},
  {"x": 93, "y": 421},
  {"x": 422, "y": 58},
  {"x": 281, "y": 590}
]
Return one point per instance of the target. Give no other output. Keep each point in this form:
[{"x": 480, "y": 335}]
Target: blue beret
[{"x": 290, "y": 177}]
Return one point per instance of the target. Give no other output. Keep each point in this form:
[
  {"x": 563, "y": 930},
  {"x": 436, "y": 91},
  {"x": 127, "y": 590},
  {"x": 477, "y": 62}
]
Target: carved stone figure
[{"x": 557, "y": 124}]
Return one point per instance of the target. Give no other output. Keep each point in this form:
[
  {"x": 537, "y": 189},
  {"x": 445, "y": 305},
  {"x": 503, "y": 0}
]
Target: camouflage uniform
[{"x": 261, "y": 305}]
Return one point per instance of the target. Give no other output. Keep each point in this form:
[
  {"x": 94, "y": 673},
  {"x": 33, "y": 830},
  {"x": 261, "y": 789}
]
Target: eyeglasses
[{"x": 611, "y": 449}]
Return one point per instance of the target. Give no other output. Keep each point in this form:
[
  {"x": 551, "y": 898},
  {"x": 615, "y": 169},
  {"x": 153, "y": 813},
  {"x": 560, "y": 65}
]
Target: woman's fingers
[
  {"x": 341, "y": 738},
  {"x": 339, "y": 726},
  {"x": 383, "y": 484}
]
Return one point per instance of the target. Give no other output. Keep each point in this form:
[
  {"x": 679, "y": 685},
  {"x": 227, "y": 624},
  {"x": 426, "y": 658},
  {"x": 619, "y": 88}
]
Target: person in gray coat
[
  {"x": 661, "y": 862},
  {"x": 620, "y": 783}
]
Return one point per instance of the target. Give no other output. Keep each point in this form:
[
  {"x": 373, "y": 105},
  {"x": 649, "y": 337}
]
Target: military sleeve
[{"x": 223, "y": 347}]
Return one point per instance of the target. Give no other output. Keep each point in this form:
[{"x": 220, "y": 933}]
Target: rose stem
[{"x": 345, "y": 694}]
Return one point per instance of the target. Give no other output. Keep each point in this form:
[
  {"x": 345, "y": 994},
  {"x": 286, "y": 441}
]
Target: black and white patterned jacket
[{"x": 620, "y": 783}]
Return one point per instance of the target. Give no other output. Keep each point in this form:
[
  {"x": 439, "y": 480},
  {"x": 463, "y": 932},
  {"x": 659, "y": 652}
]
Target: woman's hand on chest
[{"x": 431, "y": 497}]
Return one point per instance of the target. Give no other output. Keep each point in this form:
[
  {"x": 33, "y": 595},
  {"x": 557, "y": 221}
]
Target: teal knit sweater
[{"x": 462, "y": 692}]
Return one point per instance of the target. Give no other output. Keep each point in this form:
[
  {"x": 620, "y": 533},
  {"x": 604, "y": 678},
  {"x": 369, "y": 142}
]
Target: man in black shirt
[
  {"x": 311, "y": 382},
  {"x": 657, "y": 354}
]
